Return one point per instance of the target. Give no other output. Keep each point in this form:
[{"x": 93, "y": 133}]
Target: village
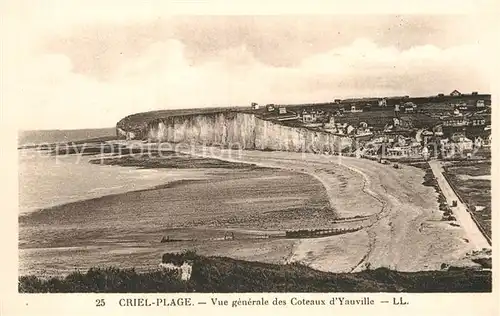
[{"x": 453, "y": 126}]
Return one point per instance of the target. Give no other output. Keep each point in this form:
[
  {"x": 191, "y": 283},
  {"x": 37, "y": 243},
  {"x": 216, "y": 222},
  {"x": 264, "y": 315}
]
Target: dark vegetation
[
  {"x": 168, "y": 159},
  {"x": 138, "y": 157},
  {"x": 89, "y": 149},
  {"x": 311, "y": 233},
  {"x": 226, "y": 275}
]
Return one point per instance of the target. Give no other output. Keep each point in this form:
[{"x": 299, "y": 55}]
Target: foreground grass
[{"x": 220, "y": 274}]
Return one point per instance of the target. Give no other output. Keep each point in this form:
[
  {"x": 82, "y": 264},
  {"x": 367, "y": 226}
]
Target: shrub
[{"x": 217, "y": 274}]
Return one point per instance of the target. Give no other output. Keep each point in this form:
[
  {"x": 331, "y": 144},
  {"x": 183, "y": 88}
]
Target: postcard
[{"x": 177, "y": 158}]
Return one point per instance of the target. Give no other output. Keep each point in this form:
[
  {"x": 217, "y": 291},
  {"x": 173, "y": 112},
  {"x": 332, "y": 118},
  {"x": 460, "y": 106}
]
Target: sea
[
  {"x": 74, "y": 215},
  {"x": 33, "y": 137},
  {"x": 47, "y": 181}
]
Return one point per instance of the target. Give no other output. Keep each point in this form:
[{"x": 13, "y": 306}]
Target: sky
[{"x": 73, "y": 65}]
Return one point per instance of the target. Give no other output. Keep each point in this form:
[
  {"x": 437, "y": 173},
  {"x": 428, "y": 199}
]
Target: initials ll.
[{"x": 400, "y": 301}]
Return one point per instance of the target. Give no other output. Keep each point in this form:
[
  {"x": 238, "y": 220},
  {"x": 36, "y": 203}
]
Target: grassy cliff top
[{"x": 138, "y": 121}]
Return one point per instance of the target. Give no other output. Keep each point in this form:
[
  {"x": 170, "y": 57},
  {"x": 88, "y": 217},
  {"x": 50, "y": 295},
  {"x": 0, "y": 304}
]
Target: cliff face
[{"x": 240, "y": 130}]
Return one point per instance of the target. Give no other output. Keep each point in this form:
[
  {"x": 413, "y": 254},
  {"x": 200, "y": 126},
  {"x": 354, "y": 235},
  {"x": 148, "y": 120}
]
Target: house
[
  {"x": 308, "y": 117},
  {"x": 427, "y": 136},
  {"x": 350, "y": 129},
  {"x": 464, "y": 144},
  {"x": 363, "y": 135},
  {"x": 461, "y": 142},
  {"x": 409, "y": 110},
  {"x": 320, "y": 114},
  {"x": 354, "y": 109},
  {"x": 477, "y": 120},
  {"x": 397, "y": 108},
  {"x": 382, "y": 102},
  {"x": 447, "y": 148},
  {"x": 455, "y": 93},
  {"x": 270, "y": 107},
  {"x": 462, "y": 106},
  {"x": 478, "y": 142},
  {"x": 402, "y": 151},
  {"x": 438, "y": 130},
  {"x": 401, "y": 141},
  {"x": 255, "y": 106},
  {"x": 185, "y": 270},
  {"x": 454, "y": 121},
  {"x": 425, "y": 153},
  {"x": 409, "y": 107},
  {"x": 331, "y": 122},
  {"x": 282, "y": 110},
  {"x": 480, "y": 104},
  {"x": 487, "y": 141}
]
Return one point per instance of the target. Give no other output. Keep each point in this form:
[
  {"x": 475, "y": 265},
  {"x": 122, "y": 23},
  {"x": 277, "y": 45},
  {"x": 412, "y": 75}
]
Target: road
[
  {"x": 460, "y": 211},
  {"x": 406, "y": 232}
]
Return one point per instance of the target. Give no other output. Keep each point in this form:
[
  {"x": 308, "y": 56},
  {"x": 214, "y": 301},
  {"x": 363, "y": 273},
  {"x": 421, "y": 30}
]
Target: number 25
[{"x": 100, "y": 302}]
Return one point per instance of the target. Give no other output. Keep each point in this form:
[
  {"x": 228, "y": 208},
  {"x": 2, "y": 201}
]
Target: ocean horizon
[{"x": 33, "y": 137}]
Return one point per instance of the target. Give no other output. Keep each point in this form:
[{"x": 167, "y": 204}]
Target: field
[
  {"x": 378, "y": 119},
  {"x": 472, "y": 181}
]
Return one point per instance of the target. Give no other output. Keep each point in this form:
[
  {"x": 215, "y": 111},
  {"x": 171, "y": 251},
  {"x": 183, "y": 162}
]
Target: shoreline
[
  {"x": 353, "y": 177},
  {"x": 151, "y": 238}
]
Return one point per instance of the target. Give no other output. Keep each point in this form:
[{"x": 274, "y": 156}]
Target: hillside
[
  {"x": 220, "y": 274},
  {"x": 138, "y": 122}
]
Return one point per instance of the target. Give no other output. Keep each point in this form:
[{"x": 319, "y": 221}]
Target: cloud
[{"x": 94, "y": 76}]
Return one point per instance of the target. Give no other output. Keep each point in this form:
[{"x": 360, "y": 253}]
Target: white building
[
  {"x": 308, "y": 117},
  {"x": 478, "y": 142},
  {"x": 354, "y": 109},
  {"x": 425, "y": 153}
]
